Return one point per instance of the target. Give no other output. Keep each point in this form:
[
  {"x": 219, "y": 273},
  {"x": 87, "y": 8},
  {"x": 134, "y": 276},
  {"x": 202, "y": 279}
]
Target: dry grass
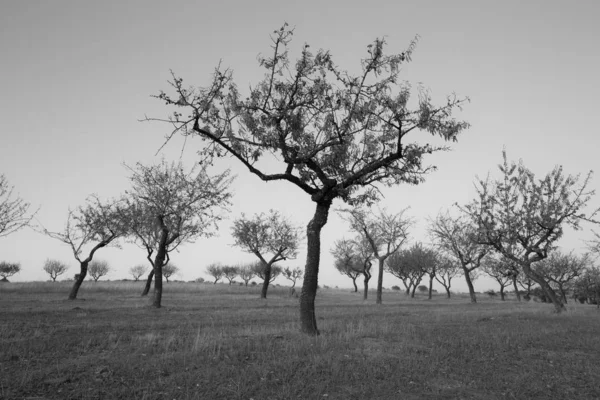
[{"x": 223, "y": 342}]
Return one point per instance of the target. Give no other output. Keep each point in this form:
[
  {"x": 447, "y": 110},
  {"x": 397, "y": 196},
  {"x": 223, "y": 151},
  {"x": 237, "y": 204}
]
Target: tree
[
  {"x": 230, "y": 272},
  {"x": 587, "y": 286},
  {"x": 292, "y": 275},
  {"x": 55, "y": 268},
  {"x": 410, "y": 265},
  {"x": 246, "y": 273},
  {"x": 457, "y": 236},
  {"x": 98, "y": 269},
  {"x": 259, "y": 269},
  {"x": 169, "y": 270},
  {"x": 13, "y": 210},
  {"x": 499, "y": 270},
  {"x": 216, "y": 271},
  {"x": 335, "y": 135},
  {"x": 270, "y": 237},
  {"x": 137, "y": 271},
  {"x": 346, "y": 261},
  {"x": 167, "y": 207},
  {"x": 560, "y": 270},
  {"x": 522, "y": 217},
  {"x": 526, "y": 283},
  {"x": 422, "y": 288},
  {"x": 385, "y": 233},
  {"x": 9, "y": 269},
  {"x": 95, "y": 226},
  {"x": 446, "y": 270}
]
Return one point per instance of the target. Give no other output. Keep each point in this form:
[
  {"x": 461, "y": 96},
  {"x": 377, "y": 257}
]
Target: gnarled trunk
[
  {"x": 558, "y": 304},
  {"x": 78, "y": 280},
  {"x": 380, "y": 282},
  {"x": 467, "y": 274},
  {"x": 308, "y": 320},
  {"x": 148, "y": 283},
  {"x": 265, "y": 286}
]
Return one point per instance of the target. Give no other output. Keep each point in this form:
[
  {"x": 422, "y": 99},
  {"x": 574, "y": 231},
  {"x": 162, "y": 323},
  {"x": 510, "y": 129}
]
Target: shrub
[
  {"x": 423, "y": 288},
  {"x": 395, "y": 287},
  {"x": 491, "y": 293}
]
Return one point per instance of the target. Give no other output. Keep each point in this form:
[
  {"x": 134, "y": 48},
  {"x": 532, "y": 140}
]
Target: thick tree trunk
[
  {"x": 414, "y": 289},
  {"x": 159, "y": 262},
  {"x": 148, "y": 283},
  {"x": 470, "y": 285},
  {"x": 265, "y": 286},
  {"x": 380, "y": 282},
  {"x": 79, "y": 280},
  {"x": 447, "y": 290},
  {"x": 502, "y": 292},
  {"x": 563, "y": 294},
  {"x": 407, "y": 288},
  {"x": 514, "y": 281},
  {"x": 366, "y": 287},
  {"x": 308, "y": 319},
  {"x": 558, "y": 304},
  {"x": 430, "y": 285},
  {"x": 354, "y": 283}
]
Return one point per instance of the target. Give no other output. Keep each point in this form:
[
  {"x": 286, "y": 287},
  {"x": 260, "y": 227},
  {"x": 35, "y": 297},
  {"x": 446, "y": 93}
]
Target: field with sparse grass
[{"x": 223, "y": 342}]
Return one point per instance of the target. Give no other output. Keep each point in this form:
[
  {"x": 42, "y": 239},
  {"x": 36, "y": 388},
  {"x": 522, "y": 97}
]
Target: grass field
[{"x": 223, "y": 342}]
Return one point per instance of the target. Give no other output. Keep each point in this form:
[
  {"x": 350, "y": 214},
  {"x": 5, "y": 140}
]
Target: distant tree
[
  {"x": 137, "y": 271},
  {"x": 230, "y": 272},
  {"x": 522, "y": 217},
  {"x": 385, "y": 232},
  {"x": 336, "y": 135},
  {"x": 98, "y": 269},
  {"x": 246, "y": 273},
  {"x": 168, "y": 206},
  {"x": 270, "y": 237},
  {"x": 587, "y": 286},
  {"x": 94, "y": 226},
  {"x": 346, "y": 260},
  {"x": 13, "y": 210},
  {"x": 169, "y": 270},
  {"x": 500, "y": 270},
  {"x": 9, "y": 269},
  {"x": 410, "y": 265},
  {"x": 422, "y": 288},
  {"x": 561, "y": 270},
  {"x": 447, "y": 269},
  {"x": 292, "y": 275},
  {"x": 260, "y": 271},
  {"x": 216, "y": 271},
  {"x": 457, "y": 237},
  {"x": 55, "y": 268}
]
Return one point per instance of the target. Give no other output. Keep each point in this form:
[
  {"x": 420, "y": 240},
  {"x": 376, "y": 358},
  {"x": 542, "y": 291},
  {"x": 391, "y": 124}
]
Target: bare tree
[
  {"x": 292, "y": 275},
  {"x": 446, "y": 270},
  {"x": 13, "y": 210},
  {"x": 169, "y": 270},
  {"x": 216, "y": 271},
  {"x": 457, "y": 237},
  {"x": 561, "y": 270},
  {"x": 522, "y": 217},
  {"x": 167, "y": 207},
  {"x": 246, "y": 273},
  {"x": 385, "y": 232},
  {"x": 336, "y": 135},
  {"x": 9, "y": 269},
  {"x": 346, "y": 260},
  {"x": 230, "y": 272},
  {"x": 94, "y": 226},
  {"x": 98, "y": 269},
  {"x": 137, "y": 271},
  {"x": 270, "y": 237},
  {"x": 55, "y": 268}
]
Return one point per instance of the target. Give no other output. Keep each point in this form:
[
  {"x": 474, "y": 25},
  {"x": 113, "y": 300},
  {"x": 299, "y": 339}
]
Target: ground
[{"x": 223, "y": 342}]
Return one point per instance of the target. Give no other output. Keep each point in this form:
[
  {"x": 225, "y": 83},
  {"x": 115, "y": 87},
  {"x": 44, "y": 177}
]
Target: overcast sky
[{"x": 76, "y": 76}]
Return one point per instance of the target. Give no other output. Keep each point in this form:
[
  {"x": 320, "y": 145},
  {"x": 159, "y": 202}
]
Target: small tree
[
  {"x": 346, "y": 261},
  {"x": 246, "y": 273},
  {"x": 270, "y": 237},
  {"x": 95, "y": 226},
  {"x": 411, "y": 265},
  {"x": 522, "y": 217},
  {"x": 9, "y": 269},
  {"x": 422, "y": 288},
  {"x": 561, "y": 270},
  {"x": 587, "y": 286},
  {"x": 137, "y": 271},
  {"x": 98, "y": 269},
  {"x": 447, "y": 269},
  {"x": 335, "y": 135},
  {"x": 230, "y": 272},
  {"x": 292, "y": 275},
  {"x": 499, "y": 270},
  {"x": 13, "y": 210},
  {"x": 55, "y": 268},
  {"x": 216, "y": 271},
  {"x": 169, "y": 270}
]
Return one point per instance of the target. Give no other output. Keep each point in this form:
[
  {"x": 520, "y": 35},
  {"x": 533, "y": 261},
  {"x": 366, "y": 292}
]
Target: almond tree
[
  {"x": 411, "y": 265},
  {"x": 169, "y": 270},
  {"x": 137, "y": 271},
  {"x": 385, "y": 233},
  {"x": 168, "y": 206},
  {"x": 246, "y": 273},
  {"x": 230, "y": 272},
  {"x": 457, "y": 237},
  {"x": 499, "y": 270},
  {"x": 13, "y": 210},
  {"x": 216, "y": 271},
  {"x": 561, "y": 270},
  {"x": 91, "y": 227},
  {"x": 54, "y": 268},
  {"x": 260, "y": 271},
  {"x": 346, "y": 261},
  {"x": 292, "y": 275},
  {"x": 334, "y": 135},
  {"x": 446, "y": 270},
  {"x": 98, "y": 269},
  {"x": 522, "y": 217},
  {"x": 9, "y": 269}
]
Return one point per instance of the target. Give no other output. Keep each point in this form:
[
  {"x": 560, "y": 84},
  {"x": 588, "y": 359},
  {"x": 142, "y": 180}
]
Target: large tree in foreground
[
  {"x": 522, "y": 217},
  {"x": 88, "y": 229},
  {"x": 270, "y": 237},
  {"x": 168, "y": 206},
  {"x": 14, "y": 211},
  {"x": 335, "y": 134}
]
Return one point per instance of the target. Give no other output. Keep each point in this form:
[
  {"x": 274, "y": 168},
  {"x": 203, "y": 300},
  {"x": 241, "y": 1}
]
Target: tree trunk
[
  {"x": 308, "y": 319},
  {"x": 514, "y": 280},
  {"x": 148, "y": 282},
  {"x": 447, "y": 290},
  {"x": 380, "y": 282},
  {"x": 159, "y": 262},
  {"x": 414, "y": 289},
  {"x": 502, "y": 292},
  {"x": 562, "y": 293},
  {"x": 80, "y": 277},
  {"x": 354, "y": 283},
  {"x": 430, "y": 285},
  {"x": 558, "y": 305},
  {"x": 366, "y": 290},
  {"x": 467, "y": 274},
  {"x": 265, "y": 286}
]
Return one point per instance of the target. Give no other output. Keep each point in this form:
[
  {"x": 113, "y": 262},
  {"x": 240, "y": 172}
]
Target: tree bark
[
  {"x": 514, "y": 281},
  {"x": 447, "y": 290},
  {"x": 414, "y": 289},
  {"x": 558, "y": 304},
  {"x": 265, "y": 286},
  {"x": 430, "y": 285},
  {"x": 502, "y": 292},
  {"x": 308, "y": 320},
  {"x": 159, "y": 262},
  {"x": 80, "y": 277},
  {"x": 148, "y": 283},
  {"x": 366, "y": 285},
  {"x": 380, "y": 282},
  {"x": 467, "y": 274},
  {"x": 354, "y": 283}
]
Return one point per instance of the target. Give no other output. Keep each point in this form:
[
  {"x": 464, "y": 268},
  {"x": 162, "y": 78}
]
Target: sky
[{"x": 77, "y": 76}]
